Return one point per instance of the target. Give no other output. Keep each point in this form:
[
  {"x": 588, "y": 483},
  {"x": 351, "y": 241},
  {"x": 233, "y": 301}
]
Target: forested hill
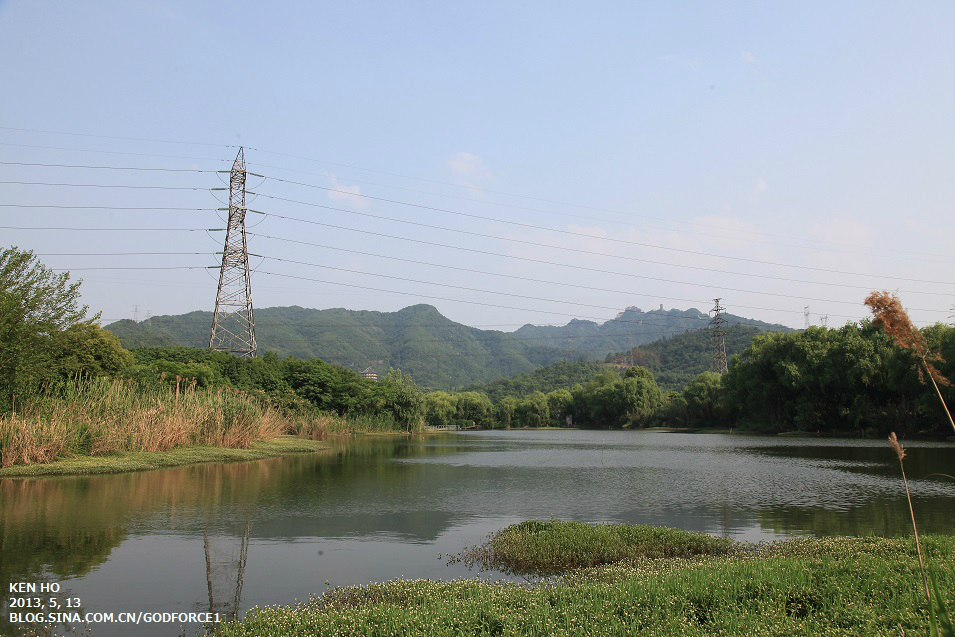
[
  {"x": 419, "y": 340},
  {"x": 630, "y": 328},
  {"x": 674, "y": 362},
  {"x": 678, "y": 360},
  {"x": 562, "y": 375}
]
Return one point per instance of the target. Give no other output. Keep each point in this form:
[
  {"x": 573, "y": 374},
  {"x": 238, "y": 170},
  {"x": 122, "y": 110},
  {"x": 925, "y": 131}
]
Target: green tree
[
  {"x": 506, "y": 410},
  {"x": 702, "y": 399},
  {"x": 559, "y": 403},
  {"x": 397, "y": 394},
  {"x": 474, "y": 407},
  {"x": 439, "y": 408},
  {"x": 86, "y": 348},
  {"x": 533, "y": 411},
  {"x": 609, "y": 401},
  {"x": 37, "y": 306}
]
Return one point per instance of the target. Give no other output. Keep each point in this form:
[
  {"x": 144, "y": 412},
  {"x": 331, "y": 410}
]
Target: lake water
[{"x": 233, "y": 536}]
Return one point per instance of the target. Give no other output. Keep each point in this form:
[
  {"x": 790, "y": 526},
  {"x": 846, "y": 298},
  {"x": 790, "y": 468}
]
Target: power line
[
  {"x": 135, "y": 168},
  {"x": 578, "y": 234},
  {"x": 44, "y": 183},
  {"x": 86, "y": 229},
  {"x": 485, "y": 252},
  {"x": 489, "y": 236},
  {"x": 563, "y": 284},
  {"x": 480, "y": 272},
  {"x": 110, "y": 152},
  {"x": 430, "y": 226},
  {"x": 158, "y": 267},
  {"x": 462, "y": 269},
  {"x": 71, "y": 207},
  {"x": 440, "y": 298},
  {"x": 723, "y": 228},
  {"x": 707, "y": 233},
  {"x": 116, "y": 254},
  {"x": 519, "y": 277},
  {"x": 447, "y": 285},
  {"x": 129, "y": 139}
]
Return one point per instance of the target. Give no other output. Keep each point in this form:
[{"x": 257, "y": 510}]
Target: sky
[{"x": 506, "y": 162}]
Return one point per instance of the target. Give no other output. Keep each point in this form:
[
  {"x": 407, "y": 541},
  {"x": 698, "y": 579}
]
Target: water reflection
[{"x": 226, "y": 537}]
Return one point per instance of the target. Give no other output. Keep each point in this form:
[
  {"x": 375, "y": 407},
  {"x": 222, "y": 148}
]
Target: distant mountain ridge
[
  {"x": 438, "y": 352},
  {"x": 630, "y": 328}
]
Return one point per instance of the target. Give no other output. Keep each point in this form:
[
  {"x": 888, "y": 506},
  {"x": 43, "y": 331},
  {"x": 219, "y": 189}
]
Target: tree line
[{"x": 853, "y": 379}]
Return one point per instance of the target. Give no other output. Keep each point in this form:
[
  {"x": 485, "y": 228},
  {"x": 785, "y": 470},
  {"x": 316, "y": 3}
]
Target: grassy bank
[
  {"x": 145, "y": 460},
  {"x": 835, "y": 586}
]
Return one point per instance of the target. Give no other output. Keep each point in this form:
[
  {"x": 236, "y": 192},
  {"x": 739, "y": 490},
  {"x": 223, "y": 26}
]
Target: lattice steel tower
[
  {"x": 719, "y": 338},
  {"x": 233, "y": 327}
]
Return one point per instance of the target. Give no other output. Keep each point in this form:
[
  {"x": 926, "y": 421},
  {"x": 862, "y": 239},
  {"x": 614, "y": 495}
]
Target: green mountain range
[{"x": 438, "y": 352}]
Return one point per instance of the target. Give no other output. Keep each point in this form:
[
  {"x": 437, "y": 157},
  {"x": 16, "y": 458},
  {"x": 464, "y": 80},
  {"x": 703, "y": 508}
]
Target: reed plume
[{"x": 894, "y": 321}]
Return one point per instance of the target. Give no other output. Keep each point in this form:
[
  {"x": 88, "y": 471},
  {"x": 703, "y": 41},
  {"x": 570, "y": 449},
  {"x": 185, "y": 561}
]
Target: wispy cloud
[
  {"x": 681, "y": 61},
  {"x": 347, "y": 194},
  {"x": 759, "y": 189},
  {"x": 469, "y": 170}
]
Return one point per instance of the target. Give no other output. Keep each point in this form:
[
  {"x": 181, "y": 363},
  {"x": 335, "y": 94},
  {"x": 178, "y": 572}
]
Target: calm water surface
[{"x": 233, "y": 536}]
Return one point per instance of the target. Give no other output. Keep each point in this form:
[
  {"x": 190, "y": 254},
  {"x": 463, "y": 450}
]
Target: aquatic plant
[
  {"x": 536, "y": 547},
  {"x": 827, "y": 587}
]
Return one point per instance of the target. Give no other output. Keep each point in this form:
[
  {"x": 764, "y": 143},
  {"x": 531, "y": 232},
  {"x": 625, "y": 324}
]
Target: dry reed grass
[
  {"x": 894, "y": 320},
  {"x": 101, "y": 416}
]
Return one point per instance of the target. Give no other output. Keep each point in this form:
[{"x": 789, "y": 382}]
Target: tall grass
[
  {"x": 318, "y": 425},
  {"x": 98, "y": 416},
  {"x": 892, "y": 317}
]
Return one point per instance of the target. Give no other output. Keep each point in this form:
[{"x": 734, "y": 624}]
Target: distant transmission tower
[
  {"x": 719, "y": 338},
  {"x": 805, "y": 311},
  {"x": 233, "y": 327},
  {"x": 824, "y": 319}
]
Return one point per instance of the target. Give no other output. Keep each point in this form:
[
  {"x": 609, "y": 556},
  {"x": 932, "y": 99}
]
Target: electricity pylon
[
  {"x": 233, "y": 326},
  {"x": 719, "y": 338}
]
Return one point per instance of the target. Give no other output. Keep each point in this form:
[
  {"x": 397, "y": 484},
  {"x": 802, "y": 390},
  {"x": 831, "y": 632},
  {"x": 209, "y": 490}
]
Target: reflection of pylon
[
  {"x": 233, "y": 327},
  {"x": 719, "y": 338},
  {"x": 225, "y": 572}
]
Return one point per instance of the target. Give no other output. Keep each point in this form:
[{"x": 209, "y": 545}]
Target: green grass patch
[
  {"x": 544, "y": 548},
  {"x": 836, "y": 586},
  {"x": 143, "y": 460}
]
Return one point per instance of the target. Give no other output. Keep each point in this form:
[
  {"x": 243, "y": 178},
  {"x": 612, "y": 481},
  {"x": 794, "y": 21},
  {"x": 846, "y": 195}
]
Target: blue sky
[{"x": 609, "y": 154}]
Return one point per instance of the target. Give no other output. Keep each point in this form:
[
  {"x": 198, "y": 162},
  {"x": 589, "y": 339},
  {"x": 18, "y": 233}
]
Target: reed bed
[
  {"x": 100, "y": 416},
  {"x": 320, "y": 425}
]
